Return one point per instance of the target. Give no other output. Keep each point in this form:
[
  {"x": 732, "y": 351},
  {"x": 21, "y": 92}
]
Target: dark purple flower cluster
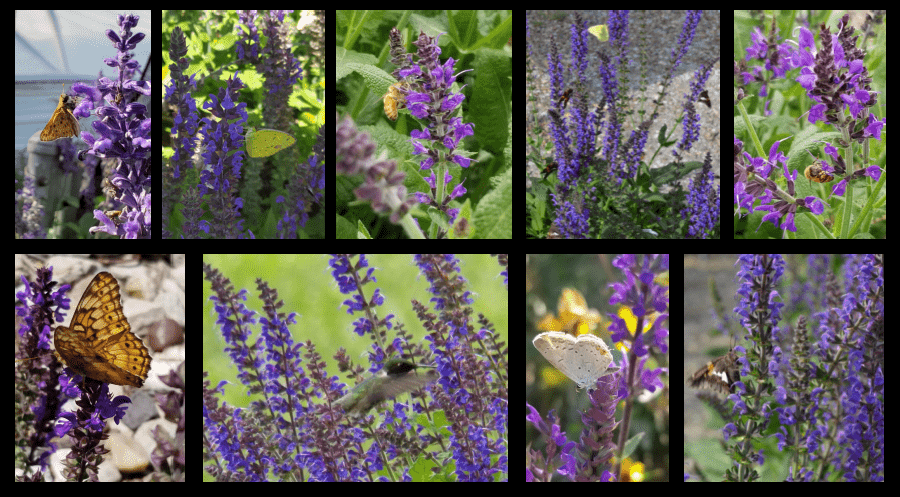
[{"x": 839, "y": 85}]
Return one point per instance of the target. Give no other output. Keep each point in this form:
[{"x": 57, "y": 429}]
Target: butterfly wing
[
  {"x": 266, "y": 142},
  {"x": 62, "y": 123}
]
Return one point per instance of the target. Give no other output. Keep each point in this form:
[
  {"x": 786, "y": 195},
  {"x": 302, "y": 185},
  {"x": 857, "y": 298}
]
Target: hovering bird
[{"x": 396, "y": 377}]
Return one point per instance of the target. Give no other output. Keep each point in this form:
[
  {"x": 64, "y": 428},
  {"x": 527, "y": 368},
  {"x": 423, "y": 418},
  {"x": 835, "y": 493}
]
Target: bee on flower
[
  {"x": 815, "y": 173},
  {"x": 395, "y": 99}
]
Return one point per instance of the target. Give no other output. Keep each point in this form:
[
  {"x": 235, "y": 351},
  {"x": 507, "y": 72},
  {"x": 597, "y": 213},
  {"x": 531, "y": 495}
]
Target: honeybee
[
  {"x": 114, "y": 216},
  {"x": 814, "y": 172},
  {"x": 394, "y": 99},
  {"x": 564, "y": 99},
  {"x": 110, "y": 189}
]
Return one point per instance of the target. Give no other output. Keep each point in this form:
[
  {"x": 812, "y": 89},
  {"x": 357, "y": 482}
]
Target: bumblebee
[
  {"x": 550, "y": 169},
  {"x": 814, "y": 172},
  {"x": 394, "y": 99},
  {"x": 564, "y": 99}
]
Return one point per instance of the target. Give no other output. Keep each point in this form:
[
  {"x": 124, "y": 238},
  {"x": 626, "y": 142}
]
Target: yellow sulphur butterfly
[
  {"x": 266, "y": 142},
  {"x": 600, "y": 31}
]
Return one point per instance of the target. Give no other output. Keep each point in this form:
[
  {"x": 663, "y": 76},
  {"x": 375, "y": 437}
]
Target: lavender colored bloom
[
  {"x": 383, "y": 183},
  {"x": 123, "y": 134},
  {"x": 432, "y": 101},
  {"x": 702, "y": 212}
]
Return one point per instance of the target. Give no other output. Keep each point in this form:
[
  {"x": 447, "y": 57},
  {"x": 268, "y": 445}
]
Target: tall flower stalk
[
  {"x": 640, "y": 328},
  {"x": 604, "y": 189},
  {"x": 124, "y": 134},
  {"x": 432, "y": 98},
  {"x": 810, "y": 351}
]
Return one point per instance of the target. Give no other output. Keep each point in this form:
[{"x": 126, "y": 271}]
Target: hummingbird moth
[
  {"x": 719, "y": 374},
  {"x": 704, "y": 98}
]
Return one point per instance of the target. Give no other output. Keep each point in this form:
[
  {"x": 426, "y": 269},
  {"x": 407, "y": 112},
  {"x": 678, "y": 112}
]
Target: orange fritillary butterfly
[{"x": 98, "y": 343}]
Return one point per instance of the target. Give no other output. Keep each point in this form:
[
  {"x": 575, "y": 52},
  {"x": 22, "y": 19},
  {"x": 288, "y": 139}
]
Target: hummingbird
[{"x": 396, "y": 377}]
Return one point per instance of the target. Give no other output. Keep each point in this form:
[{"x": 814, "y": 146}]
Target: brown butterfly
[
  {"x": 704, "y": 97},
  {"x": 62, "y": 123}
]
